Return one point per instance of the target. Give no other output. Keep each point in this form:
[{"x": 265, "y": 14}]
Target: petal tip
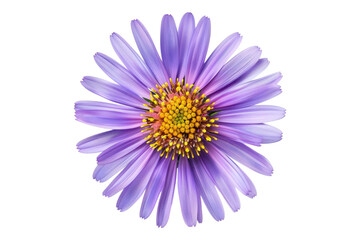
[
  {"x": 254, "y": 49},
  {"x": 191, "y": 224},
  {"x": 98, "y": 180},
  {"x": 113, "y": 35},
  {"x": 204, "y": 20},
  {"x": 251, "y": 194},
  {"x": 99, "y": 55},
  {"x": 107, "y": 192},
  {"x": 143, "y": 216},
  {"x": 116, "y": 36},
  {"x": 86, "y": 79},
  {"x": 237, "y": 35},
  {"x": 167, "y": 15},
  {"x": 189, "y": 15},
  {"x": 135, "y": 22}
]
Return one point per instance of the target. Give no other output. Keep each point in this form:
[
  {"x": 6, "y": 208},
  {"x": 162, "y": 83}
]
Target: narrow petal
[
  {"x": 242, "y": 182},
  {"x": 95, "y": 105},
  {"x": 198, "y": 49},
  {"x": 186, "y": 30},
  {"x": 267, "y": 133},
  {"x": 167, "y": 195},
  {"x": 169, "y": 45},
  {"x": 199, "y": 213},
  {"x": 132, "y": 61},
  {"x": 225, "y": 184},
  {"x": 250, "y": 93},
  {"x": 249, "y": 75},
  {"x": 111, "y": 122},
  {"x": 233, "y": 69},
  {"x": 113, "y": 92},
  {"x": 133, "y": 191},
  {"x": 187, "y": 193},
  {"x": 107, "y": 115},
  {"x": 238, "y": 135},
  {"x": 120, "y": 149},
  {"x": 154, "y": 188},
  {"x": 148, "y": 51},
  {"x": 244, "y": 155},
  {"x": 104, "y": 172},
  {"x": 101, "y": 141},
  {"x": 253, "y": 114},
  {"x": 120, "y": 75},
  {"x": 254, "y": 71},
  {"x": 217, "y": 59},
  {"x": 128, "y": 174},
  {"x": 207, "y": 190},
  {"x": 262, "y": 132},
  {"x": 266, "y": 93}
]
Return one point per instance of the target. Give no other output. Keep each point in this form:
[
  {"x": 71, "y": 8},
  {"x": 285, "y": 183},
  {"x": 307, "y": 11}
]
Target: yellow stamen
[{"x": 178, "y": 119}]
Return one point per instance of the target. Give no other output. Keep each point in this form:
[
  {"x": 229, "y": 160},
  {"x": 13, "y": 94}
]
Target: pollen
[{"x": 179, "y": 120}]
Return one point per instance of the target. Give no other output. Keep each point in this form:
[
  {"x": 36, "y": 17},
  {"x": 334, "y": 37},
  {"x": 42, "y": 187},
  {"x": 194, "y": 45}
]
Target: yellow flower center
[{"x": 178, "y": 119}]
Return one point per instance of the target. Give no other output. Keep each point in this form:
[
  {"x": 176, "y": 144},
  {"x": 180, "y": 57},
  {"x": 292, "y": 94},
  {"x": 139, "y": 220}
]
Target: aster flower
[{"x": 180, "y": 118}]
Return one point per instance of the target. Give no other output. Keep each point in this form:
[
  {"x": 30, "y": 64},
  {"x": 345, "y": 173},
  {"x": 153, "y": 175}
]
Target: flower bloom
[{"x": 180, "y": 118}]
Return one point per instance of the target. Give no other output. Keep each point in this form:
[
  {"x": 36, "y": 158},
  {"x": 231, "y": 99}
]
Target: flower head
[{"x": 180, "y": 119}]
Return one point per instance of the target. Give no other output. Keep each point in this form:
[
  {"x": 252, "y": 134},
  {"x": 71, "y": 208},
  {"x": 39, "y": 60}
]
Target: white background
[{"x": 47, "y": 191}]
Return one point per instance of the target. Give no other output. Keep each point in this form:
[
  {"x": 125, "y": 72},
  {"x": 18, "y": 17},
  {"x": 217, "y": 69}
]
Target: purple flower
[{"x": 180, "y": 117}]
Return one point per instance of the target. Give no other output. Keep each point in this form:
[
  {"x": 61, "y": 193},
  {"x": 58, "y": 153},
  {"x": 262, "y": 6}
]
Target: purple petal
[
  {"x": 199, "y": 213},
  {"x": 95, "y": 105},
  {"x": 106, "y": 122},
  {"x": 222, "y": 182},
  {"x": 263, "y": 132},
  {"x": 249, "y": 75},
  {"x": 250, "y": 93},
  {"x": 197, "y": 50},
  {"x": 154, "y": 188},
  {"x": 120, "y": 75},
  {"x": 233, "y": 69},
  {"x": 133, "y": 191},
  {"x": 120, "y": 149},
  {"x": 167, "y": 194},
  {"x": 238, "y": 135},
  {"x": 148, "y": 51},
  {"x": 112, "y": 92},
  {"x": 269, "y": 134},
  {"x": 128, "y": 174},
  {"x": 107, "y": 115},
  {"x": 244, "y": 155},
  {"x": 101, "y": 141},
  {"x": 263, "y": 95},
  {"x": 103, "y": 172},
  {"x": 242, "y": 182},
  {"x": 207, "y": 190},
  {"x": 217, "y": 59},
  {"x": 253, "y": 114},
  {"x": 169, "y": 45},
  {"x": 254, "y": 71},
  {"x": 186, "y": 30},
  {"x": 132, "y": 61},
  {"x": 187, "y": 193}
]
